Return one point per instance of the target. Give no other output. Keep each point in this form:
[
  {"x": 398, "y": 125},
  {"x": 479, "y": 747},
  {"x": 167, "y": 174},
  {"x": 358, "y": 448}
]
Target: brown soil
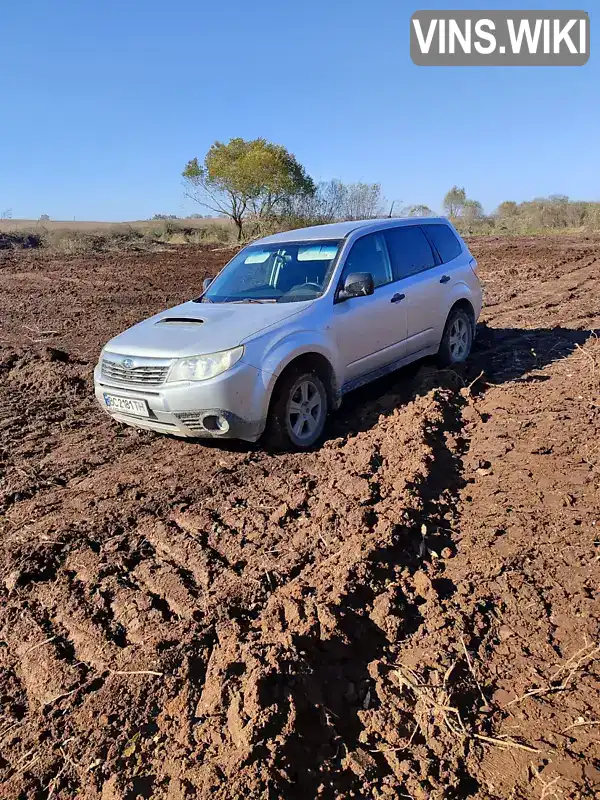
[{"x": 411, "y": 611}]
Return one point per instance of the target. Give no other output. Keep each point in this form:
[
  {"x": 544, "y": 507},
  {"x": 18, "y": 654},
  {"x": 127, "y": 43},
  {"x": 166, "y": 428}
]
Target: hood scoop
[{"x": 180, "y": 321}]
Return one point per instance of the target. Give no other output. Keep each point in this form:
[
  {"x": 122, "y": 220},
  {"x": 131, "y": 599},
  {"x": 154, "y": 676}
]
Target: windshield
[{"x": 285, "y": 272}]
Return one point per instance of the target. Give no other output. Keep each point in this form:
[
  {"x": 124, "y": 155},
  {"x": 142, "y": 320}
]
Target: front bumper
[{"x": 231, "y": 406}]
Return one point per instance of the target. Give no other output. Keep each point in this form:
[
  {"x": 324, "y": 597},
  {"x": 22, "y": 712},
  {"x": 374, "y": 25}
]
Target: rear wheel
[
  {"x": 457, "y": 339},
  {"x": 298, "y": 411}
]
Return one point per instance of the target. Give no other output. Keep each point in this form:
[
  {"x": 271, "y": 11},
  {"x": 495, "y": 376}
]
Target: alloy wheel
[
  {"x": 459, "y": 339},
  {"x": 305, "y": 411}
]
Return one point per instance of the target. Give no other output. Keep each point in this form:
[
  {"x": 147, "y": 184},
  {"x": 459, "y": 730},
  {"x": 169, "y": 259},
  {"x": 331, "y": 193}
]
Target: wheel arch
[
  {"x": 321, "y": 365},
  {"x": 465, "y": 305}
]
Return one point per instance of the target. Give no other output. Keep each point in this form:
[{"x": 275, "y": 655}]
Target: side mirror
[
  {"x": 357, "y": 284},
  {"x": 206, "y": 283}
]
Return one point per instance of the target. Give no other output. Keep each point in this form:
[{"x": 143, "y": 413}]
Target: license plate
[{"x": 126, "y": 405}]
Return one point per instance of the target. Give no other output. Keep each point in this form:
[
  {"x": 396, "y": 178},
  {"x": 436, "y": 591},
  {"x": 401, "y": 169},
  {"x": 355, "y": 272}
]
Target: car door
[
  {"x": 425, "y": 283},
  {"x": 370, "y": 330}
]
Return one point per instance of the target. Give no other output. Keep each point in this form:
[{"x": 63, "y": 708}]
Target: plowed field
[{"x": 410, "y": 611}]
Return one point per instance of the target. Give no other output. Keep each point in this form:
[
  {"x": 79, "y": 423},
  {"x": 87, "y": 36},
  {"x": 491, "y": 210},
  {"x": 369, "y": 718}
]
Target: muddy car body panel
[{"x": 347, "y": 302}]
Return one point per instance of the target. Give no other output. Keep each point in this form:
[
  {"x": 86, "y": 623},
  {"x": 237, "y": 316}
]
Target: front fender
[{"x": 282, "y": 352}]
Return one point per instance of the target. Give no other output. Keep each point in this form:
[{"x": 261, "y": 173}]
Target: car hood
[{"x": 194, "y": 329}]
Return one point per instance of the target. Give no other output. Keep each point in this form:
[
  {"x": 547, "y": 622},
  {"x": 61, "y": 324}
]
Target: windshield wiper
[{"x": 255, "y": 300}]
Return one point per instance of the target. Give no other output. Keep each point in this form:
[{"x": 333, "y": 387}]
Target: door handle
[
  {"x": 397, "y": 298},
  {"x": 444, "y": 278}
]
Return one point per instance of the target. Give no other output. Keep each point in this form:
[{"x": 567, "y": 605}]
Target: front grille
[{"x": 145, "y": 375}]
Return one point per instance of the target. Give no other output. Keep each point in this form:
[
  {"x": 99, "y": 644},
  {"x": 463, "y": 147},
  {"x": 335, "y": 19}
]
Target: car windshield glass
[{"x": 283, "y": 272}]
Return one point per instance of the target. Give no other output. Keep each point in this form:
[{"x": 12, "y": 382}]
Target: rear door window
[
  {"x": 410, "y": 251},
  {"x": 444, "y": 240}
]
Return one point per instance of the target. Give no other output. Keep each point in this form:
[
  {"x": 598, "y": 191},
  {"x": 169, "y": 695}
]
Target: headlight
[{"x": 201, "y": 368}]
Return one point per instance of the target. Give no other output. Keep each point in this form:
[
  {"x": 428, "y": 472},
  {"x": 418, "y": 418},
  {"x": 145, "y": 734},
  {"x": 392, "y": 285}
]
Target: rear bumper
[{"x": 231, "y": 406}]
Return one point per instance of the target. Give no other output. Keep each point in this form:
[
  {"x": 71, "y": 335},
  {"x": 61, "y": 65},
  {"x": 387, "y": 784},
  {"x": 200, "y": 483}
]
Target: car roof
[{"x": 340, "y": 230}]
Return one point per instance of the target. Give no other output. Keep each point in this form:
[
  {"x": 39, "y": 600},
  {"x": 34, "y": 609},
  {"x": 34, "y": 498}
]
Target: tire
[
  {"x": 457, "y": 339},
  {"x": 298, "y": 411}
]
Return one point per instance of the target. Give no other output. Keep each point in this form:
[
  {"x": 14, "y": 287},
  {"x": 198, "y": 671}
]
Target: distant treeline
[
  {"x": 554, "y": 213},
  {"x": 261, "y": 187},
  {"x": 253, "y": 188},
  {"x": 334, "y": 201}
]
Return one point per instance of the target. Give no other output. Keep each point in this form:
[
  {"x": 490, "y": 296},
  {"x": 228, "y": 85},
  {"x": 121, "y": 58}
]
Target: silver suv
[{"x": 290, "y": 325}]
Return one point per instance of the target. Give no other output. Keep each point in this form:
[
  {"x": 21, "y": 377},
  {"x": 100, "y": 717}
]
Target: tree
[
  {"x": 418, "y": 210},
  {"x": 44, "y": 218},
  {"x": 472, "y": 210},
  {"x": 557, "y": 210},
  {"x": 507, "y": 209},
  {"x": 548, "y": 213},
  {"x": 454, "y": 201},
  {"x": 6, "y": 214},
  {"x": 334, "y": 201},
  {"x": 324, "y": 205},
  {"x": 362, "y": 201},
  {"x": 329, "y": 200},
  {"x": 244, "y": 178}
]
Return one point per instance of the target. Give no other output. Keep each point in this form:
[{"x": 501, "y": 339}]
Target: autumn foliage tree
[
  {"x": 472, "y": 210},
  {"x": 454, "y": 201},
  {"x": 466, "y": 212},
  {"x": 246, "y": 178},
  {"x": 418, "y": 210}
]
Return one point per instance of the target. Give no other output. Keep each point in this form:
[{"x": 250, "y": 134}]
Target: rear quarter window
[{"x": 444, "y": 240}]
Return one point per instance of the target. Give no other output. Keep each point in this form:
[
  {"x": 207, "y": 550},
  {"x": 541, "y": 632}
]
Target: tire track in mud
[
  {"x": 377, "y": 551},
  {"x": 346, "y": 543},
  {"x": 256, "y": 686},
  {"x": 384, "y": 587}
]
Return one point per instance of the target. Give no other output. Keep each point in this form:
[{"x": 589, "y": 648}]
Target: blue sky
[{"x": 103, "y": 103}]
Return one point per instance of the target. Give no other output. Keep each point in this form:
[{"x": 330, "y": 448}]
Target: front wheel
[
  {"x": 457, "y": 339},
  {"x": 298, "y": 411}
]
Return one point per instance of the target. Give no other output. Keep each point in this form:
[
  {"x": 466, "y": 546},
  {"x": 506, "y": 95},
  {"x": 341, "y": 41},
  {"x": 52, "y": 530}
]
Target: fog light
[
  {"x": 223, "y": 424},
  {"x": 212, "y": 422}
]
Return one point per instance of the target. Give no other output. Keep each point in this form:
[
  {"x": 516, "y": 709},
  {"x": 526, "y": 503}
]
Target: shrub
[{"x": 22, "y": 239}]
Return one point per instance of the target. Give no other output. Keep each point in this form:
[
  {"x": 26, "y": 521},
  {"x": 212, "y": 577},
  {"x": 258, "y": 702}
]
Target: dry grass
[
  {"x": 433, "y": 703},
  {"x": 434, "y": 709},
  {"x": 71, "y": 238},
  {"x": 577, "y": 662},
  {"x": 82, "y": 226}
]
